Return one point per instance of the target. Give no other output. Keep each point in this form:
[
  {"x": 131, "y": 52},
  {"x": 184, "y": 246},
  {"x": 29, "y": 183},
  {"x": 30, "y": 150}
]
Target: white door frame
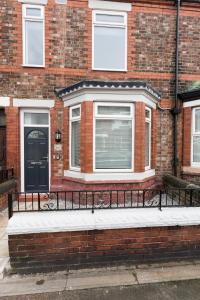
[{"x": 22, "y": 141}]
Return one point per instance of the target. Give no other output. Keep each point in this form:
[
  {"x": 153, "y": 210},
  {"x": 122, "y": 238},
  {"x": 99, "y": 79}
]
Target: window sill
[
  {"x": 33, "y": 66},
  {"x": 109, "y": 70},
  {"x": 191, "y": 170},
  {"x": 109, "y": 176}
]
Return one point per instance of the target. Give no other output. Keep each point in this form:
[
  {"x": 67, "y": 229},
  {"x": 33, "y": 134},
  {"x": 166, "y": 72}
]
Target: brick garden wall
[
  {"x": 44, "y": 251},
  {"x": 68, "y": 60},
  {"x": 3, "y": 201}
]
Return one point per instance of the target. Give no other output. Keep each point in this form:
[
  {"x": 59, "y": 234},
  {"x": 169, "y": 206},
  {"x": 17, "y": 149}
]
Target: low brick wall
[
  {"x": 47, "y": 251},
  {"x": 5, "y": 188},
  {"x": 3, "y": 201}
]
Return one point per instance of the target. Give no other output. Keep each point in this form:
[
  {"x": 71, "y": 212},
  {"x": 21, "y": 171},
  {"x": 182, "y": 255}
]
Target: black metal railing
[
  {"x": 6, "y": 174},
  {"x": 92, "y": 200}
]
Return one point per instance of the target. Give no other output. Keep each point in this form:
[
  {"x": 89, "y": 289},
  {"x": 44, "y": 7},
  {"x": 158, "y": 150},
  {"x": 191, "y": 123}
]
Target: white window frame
[
  {"x": 148, "y": 120},
  {"x": 113, "y": 117},
  {"x": 193, "y": 133},
  {"x": 32, "y": 19},
  {"x": 109, "y": 24},
  {"x": 22, "y": 126},
  {"x": 71, "y": 120}
]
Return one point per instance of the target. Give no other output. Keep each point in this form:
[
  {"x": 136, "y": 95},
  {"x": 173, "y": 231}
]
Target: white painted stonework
[
  {"x": 191, "y": 103},
  {"x": 33, "y": 103},
  {"x": 110, "y": 96},
  {"x": 109, "y": 5},
  {"x": 4, "y": 101},
  {"x": 103, "y": 176},
  {"x": 26, "y": 223}
]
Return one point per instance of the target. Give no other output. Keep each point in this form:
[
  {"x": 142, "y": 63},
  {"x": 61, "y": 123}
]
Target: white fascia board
[
  {"x": 109, "y": 5},
  {"x": 35, "y": 103},
  {"x": 101, "y": 219},
  {"x": 4, "y": 101},
  {"x": 110, "y": 96},
  {"x": 36, "y": 2},
  {"x": 191, "y": 103},
  {"x": 109, "y": 176}
]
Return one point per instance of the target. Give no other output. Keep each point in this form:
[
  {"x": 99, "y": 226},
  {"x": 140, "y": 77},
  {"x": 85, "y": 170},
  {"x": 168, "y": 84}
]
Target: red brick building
[{"x": 89, "y": 89}]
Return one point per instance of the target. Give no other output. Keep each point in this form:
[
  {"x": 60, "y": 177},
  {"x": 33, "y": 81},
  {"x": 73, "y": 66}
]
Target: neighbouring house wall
[
  {"x": 44, "y": 251},
  {"x": 68, "y": 38}
]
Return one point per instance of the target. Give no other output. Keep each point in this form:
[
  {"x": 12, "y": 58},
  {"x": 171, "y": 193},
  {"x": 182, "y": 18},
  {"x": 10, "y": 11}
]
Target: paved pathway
[
  {"x": 66, "y": 281},
  {"x": 4, "y": 256},
  {"x": 181, "y": 290}
]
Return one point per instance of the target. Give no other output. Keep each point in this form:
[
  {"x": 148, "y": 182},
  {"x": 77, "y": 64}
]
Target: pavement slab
[
  {"x": 100, "y": 279},
  {"x": 173, "y": 273}
]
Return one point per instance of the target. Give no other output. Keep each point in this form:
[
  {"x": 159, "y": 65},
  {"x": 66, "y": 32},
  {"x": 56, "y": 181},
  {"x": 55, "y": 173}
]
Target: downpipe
[{"x": 175, "y": 110}]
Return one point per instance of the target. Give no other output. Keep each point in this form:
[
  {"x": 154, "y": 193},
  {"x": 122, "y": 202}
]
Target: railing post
[
  {"x": 10, "y": 206},
  {"x": 143, "y": 198},
  {"x": 160, "y": 201},
  {"x": 92, "y": 202},
  {"x": 191, "y": 194},
  {"x": 39, "y": 201}
]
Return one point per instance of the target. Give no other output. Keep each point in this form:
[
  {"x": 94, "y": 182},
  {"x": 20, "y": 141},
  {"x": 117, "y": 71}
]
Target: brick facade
[
  {"x": 44, "y": 251},
  {"x": 68, "y": 53}
]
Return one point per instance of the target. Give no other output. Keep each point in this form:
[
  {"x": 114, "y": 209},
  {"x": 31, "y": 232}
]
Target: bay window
[
  {"x": 113, "y": 136},
  {"x": 109, "y": 41},
  {"x": 75, "y": 117},
  {"x": 147, "y": 138},
  {"x": 33, "y": 35},
  {"x": 196, "y": 137}
]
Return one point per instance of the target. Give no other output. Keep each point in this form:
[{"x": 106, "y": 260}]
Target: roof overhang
[
  {"x": 190, "y": 95},
  {"x": 119, "y": 91}
]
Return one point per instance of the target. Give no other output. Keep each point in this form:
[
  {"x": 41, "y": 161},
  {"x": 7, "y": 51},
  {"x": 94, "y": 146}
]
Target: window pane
[
  {"x": 109, "y": 48},
  {"x": 75, "y": 144},
  {"x": 114, "y": 110},
  {"x": 113, "y": 144},
  {"x": 36, "y": 119},
  {"x": 2, "y": 118},
  {"x": 147, "y": 144},
  {"x": 196, "y": 149},
  {"x": 110, "y": 18},
  {"x": 147, "y": 114},
  {"x": 76, "y": 112},
  {"x": 33, "y": 12},
  {"x": 34, "y": 43},
  {"x": 197, "y": 120}
]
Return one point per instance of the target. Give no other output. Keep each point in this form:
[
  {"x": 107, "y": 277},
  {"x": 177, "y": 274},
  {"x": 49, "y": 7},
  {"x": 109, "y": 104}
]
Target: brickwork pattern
[
  {"x": 68, "y": 51},
  {"x": 3, "y": 201},
  {"x": 42, "y": 251}
]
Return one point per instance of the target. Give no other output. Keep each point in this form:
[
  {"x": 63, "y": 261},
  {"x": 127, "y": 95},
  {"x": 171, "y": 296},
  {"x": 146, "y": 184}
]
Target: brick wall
[
  {"x": 44, "y": 251},
  {"x": 3, "y": 201},
  {"x": 187, "y": 121},
  {"x": 68, "y": 56}
]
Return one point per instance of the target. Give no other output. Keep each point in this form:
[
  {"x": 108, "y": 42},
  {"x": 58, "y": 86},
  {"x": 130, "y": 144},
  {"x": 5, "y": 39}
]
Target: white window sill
[
  {"x": 38, "y": 2},
  {"x": 59, "y": 221},
  {"x": 109, "y": 176},
  {"x": 109, "y": 70},
  {"x": 33, "y": 66}
]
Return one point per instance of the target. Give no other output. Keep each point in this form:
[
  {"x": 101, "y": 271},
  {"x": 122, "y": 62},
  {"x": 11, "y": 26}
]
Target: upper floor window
[
  {"x": 147, "y": 138},
  {"x": 109, "y": 41},
  {"x": 33, "y": 35},
  {"x": 113, "y": 136},
  {"x": 196, "y": 137}
]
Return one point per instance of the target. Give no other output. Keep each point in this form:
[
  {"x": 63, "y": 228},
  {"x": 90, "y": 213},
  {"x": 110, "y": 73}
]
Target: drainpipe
[{"x": 175, "y": 110}]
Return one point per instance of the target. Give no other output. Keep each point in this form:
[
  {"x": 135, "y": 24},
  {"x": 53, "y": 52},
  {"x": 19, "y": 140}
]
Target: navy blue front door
[{"x": 36, "y": 162}]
